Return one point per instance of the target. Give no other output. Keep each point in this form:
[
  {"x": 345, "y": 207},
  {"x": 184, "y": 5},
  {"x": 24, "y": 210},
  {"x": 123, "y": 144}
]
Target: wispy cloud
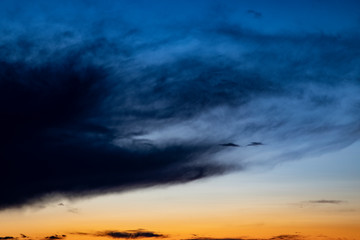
[
  {"x": 69, "y": 208},
  {"x": 323, "y": 201}
]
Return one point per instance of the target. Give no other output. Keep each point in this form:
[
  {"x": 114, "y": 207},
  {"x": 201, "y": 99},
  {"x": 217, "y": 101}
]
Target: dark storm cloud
[
  {"x": 101, "y": 102},
  {"x": 7, "y": 237},
  {"x": 58, "y": 135}
]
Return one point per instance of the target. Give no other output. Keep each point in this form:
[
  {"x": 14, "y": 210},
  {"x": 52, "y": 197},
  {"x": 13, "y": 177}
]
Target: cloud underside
[
  {"x": 323, "y": 201},
  {"x": 86, "y": 114}
]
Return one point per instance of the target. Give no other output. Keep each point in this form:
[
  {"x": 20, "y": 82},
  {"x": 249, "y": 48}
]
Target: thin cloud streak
[{"x": 323, "y": 201}]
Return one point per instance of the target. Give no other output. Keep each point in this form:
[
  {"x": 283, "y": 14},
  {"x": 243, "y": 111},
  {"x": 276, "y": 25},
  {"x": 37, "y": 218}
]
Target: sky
[{"x": 192, "y": 120}]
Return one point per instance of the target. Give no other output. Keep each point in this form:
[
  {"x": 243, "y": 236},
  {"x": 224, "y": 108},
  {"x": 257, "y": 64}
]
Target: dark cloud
[
  {"x": 55, "y": 237},
  {"x": 23, "y": 236},
  {"x": 255, "y": 144},
  {"x": 57, "y": 135},
  {"x": 286, "y": 237},
  {"x": 140, "y": 233},
  {"x": 229, "y": 145},
  {"x": 94, "y": 104},
  {"x": 131, "y": 234},
  {"x": 7, "y": 237}
]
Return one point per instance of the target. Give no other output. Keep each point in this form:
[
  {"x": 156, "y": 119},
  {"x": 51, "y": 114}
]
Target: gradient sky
[{"x": 179, "y": 120}]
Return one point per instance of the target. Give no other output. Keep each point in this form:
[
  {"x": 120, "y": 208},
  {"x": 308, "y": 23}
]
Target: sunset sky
[{"x": 191, "y": 120}]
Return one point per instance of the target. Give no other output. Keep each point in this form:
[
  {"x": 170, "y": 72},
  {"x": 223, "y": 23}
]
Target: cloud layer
[
  {"x": 131, "y": 234},
  {"x": 93, "y": 104}
]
